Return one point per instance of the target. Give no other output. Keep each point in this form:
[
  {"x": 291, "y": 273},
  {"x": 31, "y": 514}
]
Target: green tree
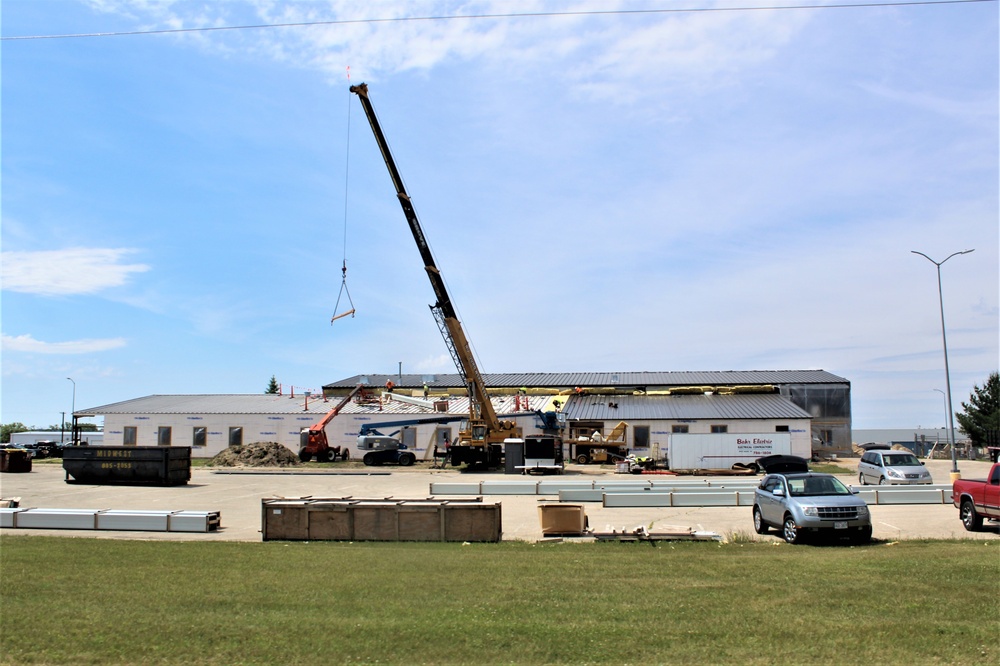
[
  {"x": 981, "y": 414},
  {"x": 7, "y": 428},
  {"x": 272, "y": 387}
]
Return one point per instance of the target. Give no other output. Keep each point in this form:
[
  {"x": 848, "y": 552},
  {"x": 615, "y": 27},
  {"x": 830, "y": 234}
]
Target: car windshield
[
  {"x": 811, "y": 486},
  {"x": 901, "y": 460}
]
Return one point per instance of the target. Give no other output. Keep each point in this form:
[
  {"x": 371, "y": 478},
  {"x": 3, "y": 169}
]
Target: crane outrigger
[{"x": 480, "y": 443}]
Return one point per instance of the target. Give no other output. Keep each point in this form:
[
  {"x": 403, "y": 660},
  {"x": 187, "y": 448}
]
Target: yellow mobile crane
[{"x": 480, "y": 443}]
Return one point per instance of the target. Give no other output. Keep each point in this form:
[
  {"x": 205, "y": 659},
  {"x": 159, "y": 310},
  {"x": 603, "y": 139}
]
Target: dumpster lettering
[{"x": 111, "y": 453}]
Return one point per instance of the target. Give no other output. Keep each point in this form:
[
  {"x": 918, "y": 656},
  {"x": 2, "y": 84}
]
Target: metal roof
[
  {"x": 577, "y": 407},
  {"x": 256, "y": 403},
  {"x": 682, "y": 407},
  {"x": 276, "y": 404},
  {"x": 569, "y": 380}
]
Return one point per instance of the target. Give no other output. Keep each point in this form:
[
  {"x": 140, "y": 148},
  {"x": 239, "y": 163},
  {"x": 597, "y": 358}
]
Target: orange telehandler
[{"x": 313, "y": 441}]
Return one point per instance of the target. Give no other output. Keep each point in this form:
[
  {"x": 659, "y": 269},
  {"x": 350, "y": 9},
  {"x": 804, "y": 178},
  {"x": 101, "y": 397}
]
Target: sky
[{"x": 606, "y": 186}]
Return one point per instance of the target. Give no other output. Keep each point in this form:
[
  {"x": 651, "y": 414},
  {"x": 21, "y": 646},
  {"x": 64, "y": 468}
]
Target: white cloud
[
  {"x": 603, "y": 54},
  {"x": 67, "y": 272},
  {"x": 27, "y": 344}
]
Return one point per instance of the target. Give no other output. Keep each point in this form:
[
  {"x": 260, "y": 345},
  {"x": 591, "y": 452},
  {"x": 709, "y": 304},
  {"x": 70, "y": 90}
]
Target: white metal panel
[
  {"x": 140, "y": 521},
  {"x": 720, "y": 498},
  {"x": 58, "y": 519},
  {"x": 911, "y": 495},
  {"x": 554, "y": 486},
  {"x": 8, "y": 516},
  {"x": 193, "y": 521},
  {"x": 581, "y": 495},
  {"x": 636, "y": 499},
  {"x": 455, "y": 488},
  {"x": 509, "y": 487}
]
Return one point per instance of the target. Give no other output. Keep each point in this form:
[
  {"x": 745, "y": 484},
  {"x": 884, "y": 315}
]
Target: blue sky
[{"x": 724, "y": 190}]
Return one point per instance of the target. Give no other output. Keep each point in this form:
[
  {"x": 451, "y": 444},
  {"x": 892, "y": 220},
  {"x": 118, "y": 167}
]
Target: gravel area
[{"x": 237, "y": 496}]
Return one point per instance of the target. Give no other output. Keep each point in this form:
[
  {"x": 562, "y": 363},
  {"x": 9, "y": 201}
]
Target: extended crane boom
[{"x": 480, "y": 445}]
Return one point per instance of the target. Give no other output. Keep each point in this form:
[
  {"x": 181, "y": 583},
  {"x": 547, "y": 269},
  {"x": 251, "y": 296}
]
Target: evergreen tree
[
  {"x": 272, "y": 387},
  {"x": 981, "y": 414}
]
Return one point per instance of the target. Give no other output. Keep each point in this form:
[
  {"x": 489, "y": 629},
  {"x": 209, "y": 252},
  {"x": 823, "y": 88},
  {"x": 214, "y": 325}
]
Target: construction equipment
[
  {"x": 313, "y": 441},
  {"x": 381, "y": 449},
  {"x": 600, "y": 449},
  {"x": 480, "y": 445}
]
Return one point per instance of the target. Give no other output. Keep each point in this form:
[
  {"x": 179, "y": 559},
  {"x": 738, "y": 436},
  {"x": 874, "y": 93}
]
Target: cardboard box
[{"x": 562, "y": 519}]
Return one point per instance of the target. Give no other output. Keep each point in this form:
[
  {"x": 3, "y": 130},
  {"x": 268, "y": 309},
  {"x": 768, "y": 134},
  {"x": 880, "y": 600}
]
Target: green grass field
[{"x": 101, "y": 601}]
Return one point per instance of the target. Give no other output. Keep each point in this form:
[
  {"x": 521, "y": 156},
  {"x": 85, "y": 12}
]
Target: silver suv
[
  {"x": 801, "y": 503},
  {"x": 888, "y": 467}
]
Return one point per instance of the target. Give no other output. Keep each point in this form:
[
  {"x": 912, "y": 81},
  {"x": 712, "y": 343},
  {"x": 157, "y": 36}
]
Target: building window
[
  {"x": 640, "y": 437},
  {"x": 163, "y": 436},
  {"x": 679, "y": 429},
  {"x": 781, "y": 428},
  {"x": 720, "y": 428},
  {"x": 200, "y": 436},
  {"x": 826, "y": 437},
  {"x": 129, "y": 436},
  {"x": 236, "y": 436}
]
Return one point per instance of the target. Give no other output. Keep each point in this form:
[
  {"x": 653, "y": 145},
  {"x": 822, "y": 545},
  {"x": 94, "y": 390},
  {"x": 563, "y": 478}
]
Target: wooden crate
[{"x": 351, "y": 519}]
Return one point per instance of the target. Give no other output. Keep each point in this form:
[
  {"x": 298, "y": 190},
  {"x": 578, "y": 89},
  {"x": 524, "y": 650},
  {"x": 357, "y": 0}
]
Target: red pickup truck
[{"x": 977, "y": 499}]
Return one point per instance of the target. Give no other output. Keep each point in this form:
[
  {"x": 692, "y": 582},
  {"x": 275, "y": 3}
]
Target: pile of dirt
[{"x": 255, "y": 454}]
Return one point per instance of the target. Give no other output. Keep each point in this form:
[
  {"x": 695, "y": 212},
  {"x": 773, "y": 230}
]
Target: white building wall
[{"x": 281, "y": 428}]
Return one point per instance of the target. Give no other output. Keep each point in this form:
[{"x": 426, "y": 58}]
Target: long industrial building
[{"x": 810, "y": 409}]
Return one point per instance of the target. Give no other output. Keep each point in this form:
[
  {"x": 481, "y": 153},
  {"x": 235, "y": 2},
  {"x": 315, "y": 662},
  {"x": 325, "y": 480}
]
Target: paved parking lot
[{"x": 238, "y": 498}]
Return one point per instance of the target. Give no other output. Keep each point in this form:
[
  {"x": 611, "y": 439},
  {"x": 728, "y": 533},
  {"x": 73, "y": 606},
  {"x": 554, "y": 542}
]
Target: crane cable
[{"x": 343, "y": 268}]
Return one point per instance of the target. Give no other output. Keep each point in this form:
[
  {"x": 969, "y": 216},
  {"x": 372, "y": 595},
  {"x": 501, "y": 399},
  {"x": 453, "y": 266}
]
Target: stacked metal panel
[{"x": 110, "y": 519}]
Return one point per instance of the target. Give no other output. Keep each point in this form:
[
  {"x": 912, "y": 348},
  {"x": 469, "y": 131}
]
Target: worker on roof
[{"x": 389, "y": 386}]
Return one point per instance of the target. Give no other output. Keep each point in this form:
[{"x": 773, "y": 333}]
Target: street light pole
[
  {"x": 947, "y": 373},
  {"x": 73, "y": 413}
]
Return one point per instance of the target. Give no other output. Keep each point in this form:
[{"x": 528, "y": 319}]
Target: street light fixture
[
  {"x": 73, "y": 413},
  {"x": 947, "y": 373}
]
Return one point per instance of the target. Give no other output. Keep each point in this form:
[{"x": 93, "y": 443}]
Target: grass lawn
[{"x": 101, "y": 601}]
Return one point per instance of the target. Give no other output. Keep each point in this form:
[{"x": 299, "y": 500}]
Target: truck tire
[
  {"x": 863, "y": 536},
  {"x": 407, "y": 459},
  {"x": 370, "y": 459},
  {"x": 972, "y": 521},
  {"x": 304, "y": 455},
  {"x": 329, "y": 455},
  {"x": 582, "y": 459},
  {"x": 345, "y": 455}
]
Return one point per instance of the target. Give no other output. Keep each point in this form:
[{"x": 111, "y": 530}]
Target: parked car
[
  {"x": 800, "y": 503},
  {"x": 888, "y": 467}
]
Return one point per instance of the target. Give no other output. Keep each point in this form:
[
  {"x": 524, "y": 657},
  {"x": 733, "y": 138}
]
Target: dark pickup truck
[{"x": 977, "y": 499}]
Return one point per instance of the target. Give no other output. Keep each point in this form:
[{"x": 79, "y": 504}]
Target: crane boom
[{"x": 485, "y": 429}]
